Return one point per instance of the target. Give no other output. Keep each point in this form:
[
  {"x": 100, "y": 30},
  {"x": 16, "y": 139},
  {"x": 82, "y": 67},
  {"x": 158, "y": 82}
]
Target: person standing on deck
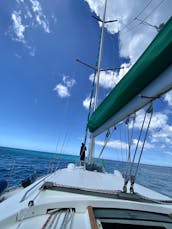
[{"x": 82, "y": 153}]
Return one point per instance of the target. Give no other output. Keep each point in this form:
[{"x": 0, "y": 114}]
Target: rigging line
[
  {"x": 121, "y": 144},
  {"x": 143, "y": 20},
  {"x": 89, "y": 109},
  {"x": 131, "y": 137},
  {"x": 129, "y": 145},
  {"x": 66, "y": 134},
  {"x": 57, "y": 145},
  {"x": 128, "y": 135},
  {"x": 105, "y": 143},
  {"x": 155, "y": 8},
  {"x": 128, "y": 132},
  {"x": 107, "y": 137},
  {"x": 138, "y": 164},
  {"x": 64, "y": 140},
  {"x": 135, "y": 152},
  {"x": 126, "y": 150},
  {"x": 144, "y": 8},
  {"x": 51, "y": 158},
  {"x": 49, "y": 165},
  {"x": 112, "y": 38},
  {"x": 126, "y": 178},
  {"x": 57, "y": 164},
  {"x": 66, "y": 108},
  {"x": 91, "y": 99},
  {"x": 137, "y": 15},
  {"x": 10, "y": 174},
  {"x": 147, "y": 23}
]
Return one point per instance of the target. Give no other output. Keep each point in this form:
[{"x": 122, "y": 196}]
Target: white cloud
[
  {"x": 69, "y": 82},
  {"x": 134, "y": 36},
  {"x": 62, "y": 90},
  {"x": 163, "y": 135},
  {"x": 108, "y": 79},
  {"x": 86, "y": 102},
  {"x": 18, "y": 27},
  {"x": 160, "y": 132},
  {"x": 24, "y": 18},
  {"x": 158, "y": 120},
  {"x": 32, "y": 51},
  {"x": 54, "y": 18},
  {"x": 115, "y": 144},
  {"x": 17, "y": 55},
  {"x": 40, "y": 17},
  {"x": 168, "y": 98},
  {"x": 18, "y": 1},
  {"x": 168, "y": 153},
  {"x": 146, "y": 146}
]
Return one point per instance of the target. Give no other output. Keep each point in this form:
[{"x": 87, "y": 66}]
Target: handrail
[{"x": 24, "y": 197}]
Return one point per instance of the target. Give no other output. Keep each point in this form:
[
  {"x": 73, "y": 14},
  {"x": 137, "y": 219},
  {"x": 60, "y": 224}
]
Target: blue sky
[{"x": 43, "y": 90}]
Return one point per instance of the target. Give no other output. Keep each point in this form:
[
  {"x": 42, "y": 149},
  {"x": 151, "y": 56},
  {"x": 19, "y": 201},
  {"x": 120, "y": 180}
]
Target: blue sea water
[{"x": 17, "y": 164}]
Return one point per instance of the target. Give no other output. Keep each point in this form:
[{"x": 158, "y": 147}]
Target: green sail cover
[{"x": 156, "y": 58}]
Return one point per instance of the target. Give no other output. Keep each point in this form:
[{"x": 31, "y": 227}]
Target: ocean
[{"x": 18, "y": 164}]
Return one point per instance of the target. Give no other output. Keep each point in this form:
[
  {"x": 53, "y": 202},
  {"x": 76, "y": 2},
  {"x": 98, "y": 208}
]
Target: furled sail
[{"x": 150, "y": 77}]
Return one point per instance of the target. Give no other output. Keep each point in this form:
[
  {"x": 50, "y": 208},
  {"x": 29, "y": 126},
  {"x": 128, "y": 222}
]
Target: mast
[{"x": 92, "y": 140}]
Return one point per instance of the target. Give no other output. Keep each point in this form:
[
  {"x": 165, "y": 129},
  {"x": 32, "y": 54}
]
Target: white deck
[
  {"x": 15, "y": 213},
  {"x": 79, "y": 177}
]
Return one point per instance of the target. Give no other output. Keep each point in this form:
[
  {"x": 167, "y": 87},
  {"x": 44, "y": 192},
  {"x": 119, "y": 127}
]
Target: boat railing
[{"x": 29, "y": 190}]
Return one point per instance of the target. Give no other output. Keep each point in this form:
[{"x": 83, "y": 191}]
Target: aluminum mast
[{"x": 92, "y": 140}]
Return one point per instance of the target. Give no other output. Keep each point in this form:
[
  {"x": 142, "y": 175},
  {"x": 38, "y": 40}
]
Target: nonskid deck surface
[{"x": 32, "y": 205}]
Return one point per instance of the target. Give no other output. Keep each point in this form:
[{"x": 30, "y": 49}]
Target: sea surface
[{"x": 18, "y": 164}]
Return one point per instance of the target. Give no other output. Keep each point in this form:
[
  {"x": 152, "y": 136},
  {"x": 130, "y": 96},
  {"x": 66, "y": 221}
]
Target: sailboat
[{"x": 80, "y": 197}]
